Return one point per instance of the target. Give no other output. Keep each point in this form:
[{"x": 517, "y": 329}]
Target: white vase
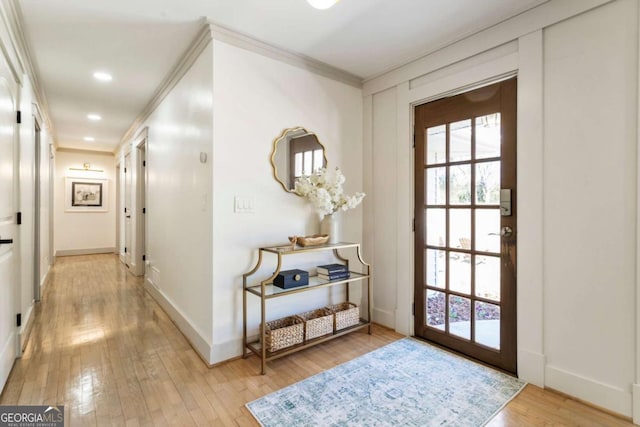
[{"x": 329, "y": 225}]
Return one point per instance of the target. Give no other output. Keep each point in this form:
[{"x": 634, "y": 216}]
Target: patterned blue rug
[{"x": 406, "y": 383}]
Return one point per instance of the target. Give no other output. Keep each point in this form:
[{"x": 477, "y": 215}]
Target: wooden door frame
[
  {"x": 140, "y": 186},
  {"x": 449, "y": 110}
]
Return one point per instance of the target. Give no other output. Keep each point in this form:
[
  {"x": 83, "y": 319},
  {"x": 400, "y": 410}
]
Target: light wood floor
[{"x": 103, "y": 348}]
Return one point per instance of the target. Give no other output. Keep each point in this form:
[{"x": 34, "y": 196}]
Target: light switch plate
[{"x": 244, "y": 204}]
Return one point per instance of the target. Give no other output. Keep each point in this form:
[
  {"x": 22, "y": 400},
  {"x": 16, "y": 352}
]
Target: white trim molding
[
  {"x": 25, "y": 329},
  {"x": 88, "y": 251},
  {"x": 7, "y": 357},
  {"x": 12, "y": 16},
  {"x": 207, "y": 33},
  {"x": 182, "y": 66},
  {"x": 530, "y": 175},
  {"x": 604, "y": 395},
  {"x": 249, "y": 43},
  {"x": 540, "y": 17},
  {"x": 636, "y": 387},
  {"x": 190, "y": 332},
  {"x": 81, "y": 151}
]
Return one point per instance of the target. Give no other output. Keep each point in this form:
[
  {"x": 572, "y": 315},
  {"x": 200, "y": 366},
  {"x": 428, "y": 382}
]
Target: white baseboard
[
  {"x": 7, "y": 357},
  {"x": 384, "y": 318},
  {"x": 44, "y": 280},
  {"x": 25, "y": 329},
  {"x": 604, "y": 395},
  {"x": 200, "y": 344},
  {"x": 221, "y": 352},
  {"x": 635, "y": 391},
  {"x": 531, "y": 367},
  {"x": 88, "y": 251}
]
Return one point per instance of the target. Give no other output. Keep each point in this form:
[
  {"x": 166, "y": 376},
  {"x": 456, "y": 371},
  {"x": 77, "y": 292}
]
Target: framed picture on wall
[{"x": 86, "y": 194}]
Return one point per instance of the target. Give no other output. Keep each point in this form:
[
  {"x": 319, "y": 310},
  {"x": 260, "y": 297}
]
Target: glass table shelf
[{"x": 315, "y": 282}]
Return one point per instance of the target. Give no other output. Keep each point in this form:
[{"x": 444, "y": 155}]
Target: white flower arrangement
[{"x": 324, "y": 191}]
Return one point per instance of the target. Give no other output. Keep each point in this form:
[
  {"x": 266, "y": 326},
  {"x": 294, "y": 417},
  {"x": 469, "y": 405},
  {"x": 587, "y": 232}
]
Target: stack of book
[{"x": 333, "y": 272}]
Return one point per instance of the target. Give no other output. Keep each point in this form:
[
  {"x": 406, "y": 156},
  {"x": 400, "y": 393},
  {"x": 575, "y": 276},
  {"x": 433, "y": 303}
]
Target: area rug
[{"x": 405, "y": 383}]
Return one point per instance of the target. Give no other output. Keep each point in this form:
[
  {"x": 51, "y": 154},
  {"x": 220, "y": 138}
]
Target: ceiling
[{"x": 139, "y": 41}]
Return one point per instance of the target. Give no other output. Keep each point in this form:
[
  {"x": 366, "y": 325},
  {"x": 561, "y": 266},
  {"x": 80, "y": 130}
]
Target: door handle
[
  {"x": 504, "y": 232},
  {"x": 6, "y": 241}
]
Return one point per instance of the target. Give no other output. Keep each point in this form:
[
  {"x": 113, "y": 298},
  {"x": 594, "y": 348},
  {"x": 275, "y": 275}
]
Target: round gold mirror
[{"x": 296, "y": 152}]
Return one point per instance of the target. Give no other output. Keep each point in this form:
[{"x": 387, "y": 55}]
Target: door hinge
[
  {"x": 413, "y": 308},
  {"x": 414, "y": 224},
  {"x": 125, "y": 210},
  {"x": 19, "y": 218},
  {"x": 144, "y": 257},
  {"x": 414, "y": 140},
  {"x": 144, "y": 210},
  {"x": 18, "y": 117},
  {"x": 144, "y": 163},
  {"x": 19, "y": 319},
  {"x": 125, "y": 170},
  {"x": 125, "y": 250}
]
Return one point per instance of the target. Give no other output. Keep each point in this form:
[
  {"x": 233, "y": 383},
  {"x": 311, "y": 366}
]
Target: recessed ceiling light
[
  {"x": 94, "y": 117},
  {"x": 102, "y": 76},
  {"x": 89, "y": 138},
  {"x": 322, "y": 4}
]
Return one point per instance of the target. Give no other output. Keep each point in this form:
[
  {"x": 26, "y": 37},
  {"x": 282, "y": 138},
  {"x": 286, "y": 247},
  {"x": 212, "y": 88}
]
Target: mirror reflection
[{"x": 296, "y": 152}]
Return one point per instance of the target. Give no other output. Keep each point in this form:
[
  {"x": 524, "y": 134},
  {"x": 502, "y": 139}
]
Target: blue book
[
  {"x": 335, "y": 276},
  {"x": 330, "y": 269}
]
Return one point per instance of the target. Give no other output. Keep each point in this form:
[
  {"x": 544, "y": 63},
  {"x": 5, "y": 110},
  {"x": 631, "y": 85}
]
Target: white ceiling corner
[{"x": 139, "y": 42}]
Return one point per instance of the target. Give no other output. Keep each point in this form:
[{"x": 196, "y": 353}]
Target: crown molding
[
  {"x": 83, "y": 151},
  {"x": 252, "y": 44},
  {"x": 207, "y": 33},
  {"x": 184, "y": 63},
  {"x": 12, "y": 15}
]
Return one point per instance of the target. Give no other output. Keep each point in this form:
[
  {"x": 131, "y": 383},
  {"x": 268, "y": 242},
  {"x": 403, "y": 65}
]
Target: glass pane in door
[
  {"x": 462, "y": 218},
  {"x": 488, "y": 136},
  {"x": 487, "y": 324},
  {"x": 436, "y": 309},
  {"x": 436, "y": 145},
  {"x": 488, "y": 183},
  {"x": 460, "y": 137},
  {"x": 465, "y": 277},
  {"x": 460, "y": 316},
  {"x": 436, "y": 266}
]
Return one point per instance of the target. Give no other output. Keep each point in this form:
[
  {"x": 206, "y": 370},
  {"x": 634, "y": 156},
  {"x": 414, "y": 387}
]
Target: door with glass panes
[{"x": 465, "y": 239}]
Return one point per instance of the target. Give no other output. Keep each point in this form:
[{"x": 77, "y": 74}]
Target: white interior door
[
  {"x": 141, "y": 184},
  {"x": 127, "y": 209},
  {"x": 8, "y": 254}
]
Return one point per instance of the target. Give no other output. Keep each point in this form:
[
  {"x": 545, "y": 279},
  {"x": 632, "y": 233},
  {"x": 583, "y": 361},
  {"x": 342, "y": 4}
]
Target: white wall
[
  {"x": 255, "y": 98},
  {"x": 577, "y": 167},
  {"x": 179, "y": 214},
  {"x": 590, "y": 93},
  {"x": 231, "y": 104},
  {"x": 84, "y": 232}
]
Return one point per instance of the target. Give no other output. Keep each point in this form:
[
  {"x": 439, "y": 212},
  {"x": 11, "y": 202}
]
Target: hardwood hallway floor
[{"x": 103, "y": 348}]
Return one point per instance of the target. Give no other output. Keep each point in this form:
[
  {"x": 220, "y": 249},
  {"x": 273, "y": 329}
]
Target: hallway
[{"x": 102, "y": 347}]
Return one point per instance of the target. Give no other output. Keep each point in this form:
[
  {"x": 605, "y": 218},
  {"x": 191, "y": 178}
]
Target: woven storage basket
[
  {"x": 346, "y": 314},
  {"x": 317, "y": 323},
  {"x": 283, "y": 333}
]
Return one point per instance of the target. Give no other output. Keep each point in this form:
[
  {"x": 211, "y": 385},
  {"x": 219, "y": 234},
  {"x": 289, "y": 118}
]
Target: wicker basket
[
  {"x": 283, "y": 333},
  {"x": 317, "y": 323},
  {"x": 346, "y": 314}
]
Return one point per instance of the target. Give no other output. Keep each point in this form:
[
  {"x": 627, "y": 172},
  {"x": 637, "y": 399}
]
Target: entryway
[{"x": 465, "y": 213}]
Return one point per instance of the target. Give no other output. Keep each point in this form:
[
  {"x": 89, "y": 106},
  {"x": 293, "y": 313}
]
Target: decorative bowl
[{"x": 315, "y": 240}]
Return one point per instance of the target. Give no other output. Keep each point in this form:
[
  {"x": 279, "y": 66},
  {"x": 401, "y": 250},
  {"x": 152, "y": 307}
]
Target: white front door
[
  {"x": 127, "y": 209},
  {"x": 8, "y": 253}
]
